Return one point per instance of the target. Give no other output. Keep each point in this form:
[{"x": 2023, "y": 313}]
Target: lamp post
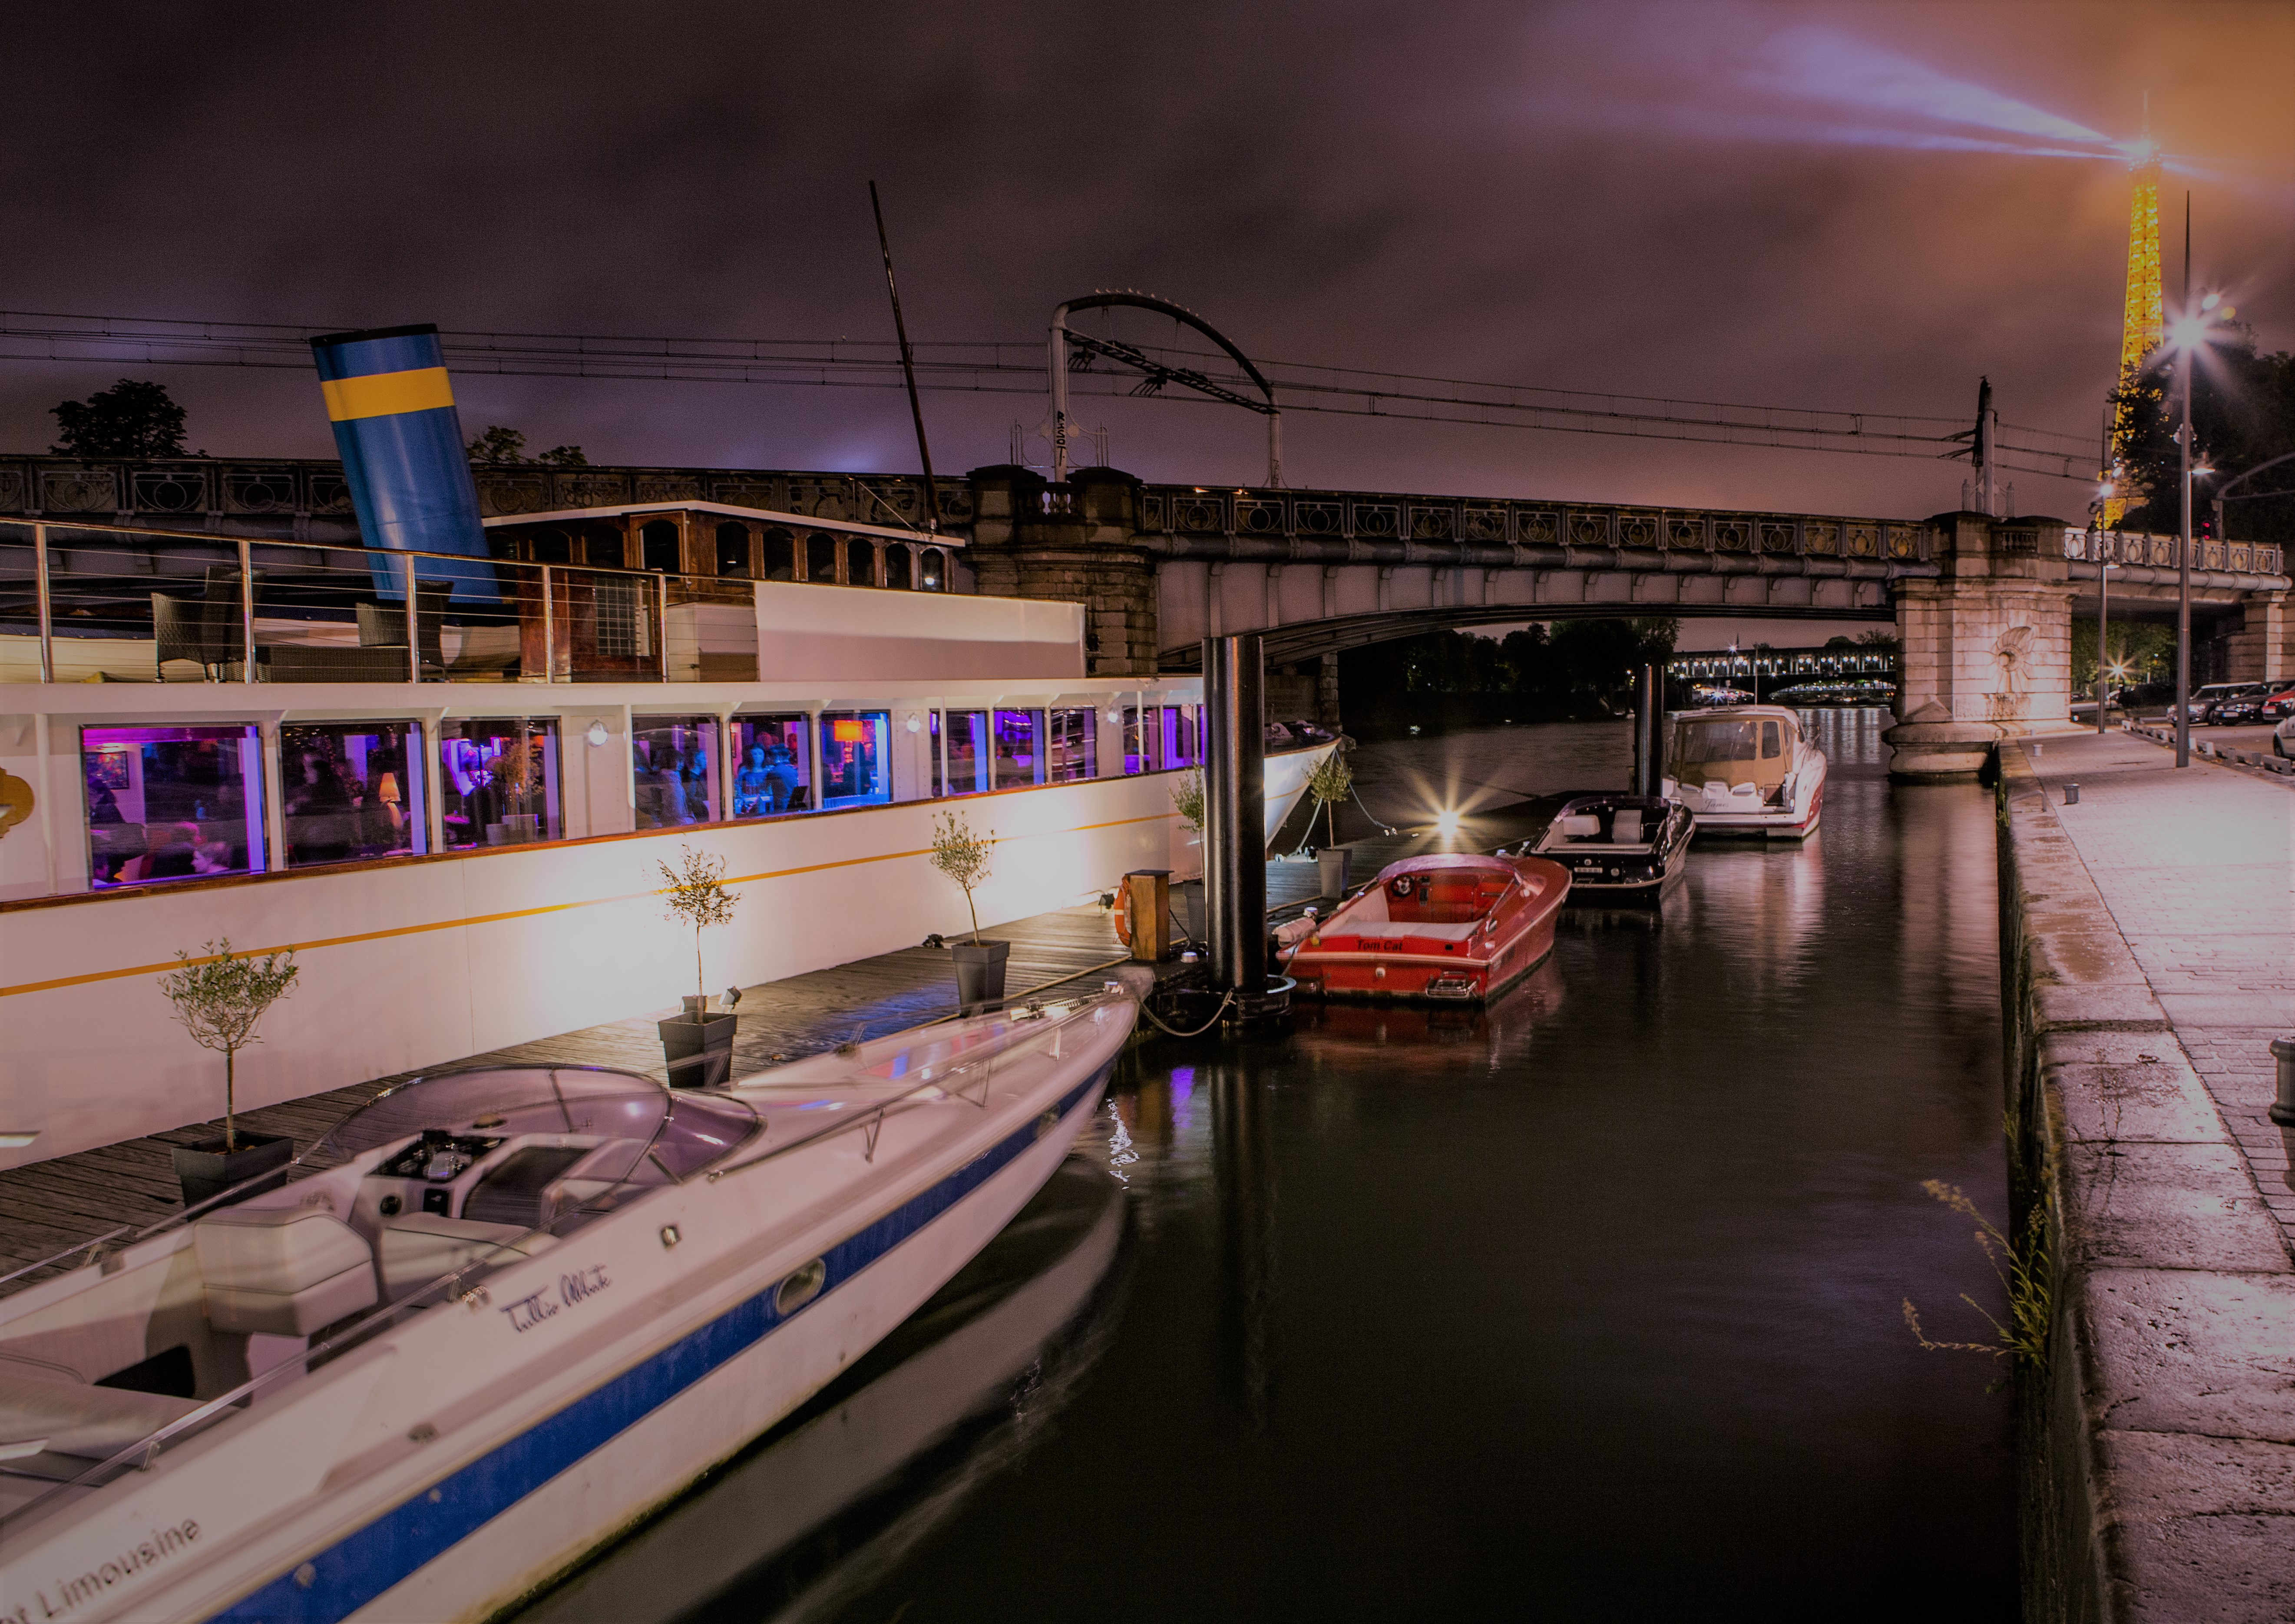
[
  {"x": 2103, "y": 593},
  {"x": 2184, "y": 566}
]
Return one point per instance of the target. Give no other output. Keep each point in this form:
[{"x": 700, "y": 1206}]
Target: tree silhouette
[{"x": 131, "y": 419}]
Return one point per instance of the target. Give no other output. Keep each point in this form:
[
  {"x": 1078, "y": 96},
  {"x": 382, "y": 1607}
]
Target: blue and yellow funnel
[{"x": 401, "y": 440}]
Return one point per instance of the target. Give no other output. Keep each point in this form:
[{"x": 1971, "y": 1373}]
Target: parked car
[
  {"x": 2279, "y": 707},
  {"x": 2203, "y": 703},
  {"x": 2243, "y": 704},
  {"x": 2283, "y": 739}
]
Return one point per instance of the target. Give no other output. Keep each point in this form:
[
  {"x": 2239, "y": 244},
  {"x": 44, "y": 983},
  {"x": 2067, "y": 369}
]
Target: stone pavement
[
  {"x": 2198, "y": 870},
  {"x": 2146, "y": 938}
]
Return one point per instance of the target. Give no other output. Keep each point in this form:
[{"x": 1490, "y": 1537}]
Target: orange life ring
[{"x": 1121, "y": 914}]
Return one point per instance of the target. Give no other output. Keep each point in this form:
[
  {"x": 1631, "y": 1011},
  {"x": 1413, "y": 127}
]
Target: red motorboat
[{"x": 1450, "y": 926}]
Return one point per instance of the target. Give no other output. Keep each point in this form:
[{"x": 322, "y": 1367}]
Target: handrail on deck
[{"x": 655, "y": 596}]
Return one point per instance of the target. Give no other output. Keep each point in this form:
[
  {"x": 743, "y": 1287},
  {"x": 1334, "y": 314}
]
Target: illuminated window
[
  {"x": 498, "y": 781},
  {"x": 351, "y": 790},
  {"x": 771, "y": 772},
  {"x": 932, "y": 570},
  {"x": 1019, "y": 749},
  {"x": 968, "y": 761},
  {"x": 172, "y": 803},
  {"x": 673, "y": 764},
  {"x": 1072, "y": 747},
  {"x": 855, "y": 760}
]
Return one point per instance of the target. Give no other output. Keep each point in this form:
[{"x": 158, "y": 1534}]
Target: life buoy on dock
[{"x": 1120, "y": 915}]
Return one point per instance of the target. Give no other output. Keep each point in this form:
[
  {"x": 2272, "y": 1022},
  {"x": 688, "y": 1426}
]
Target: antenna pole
[{"x": 908, "y": 365}]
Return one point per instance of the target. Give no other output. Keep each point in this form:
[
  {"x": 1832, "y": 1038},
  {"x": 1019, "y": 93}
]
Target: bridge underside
[
  {"x": 1308, "y": 608},
  {"x": 1307, "y": 639}
]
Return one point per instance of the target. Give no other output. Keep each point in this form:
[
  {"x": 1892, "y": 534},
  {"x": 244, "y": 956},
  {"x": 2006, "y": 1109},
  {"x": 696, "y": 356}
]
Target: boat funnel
[{"x": 401, "y": 441}]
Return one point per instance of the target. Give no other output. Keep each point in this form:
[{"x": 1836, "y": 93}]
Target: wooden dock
[{"x": 47, "y": 1207}]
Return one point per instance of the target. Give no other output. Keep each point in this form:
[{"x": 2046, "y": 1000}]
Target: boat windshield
[
  {"x": 1742, "y": 738},
  {"x": 683, "y": 1131}
]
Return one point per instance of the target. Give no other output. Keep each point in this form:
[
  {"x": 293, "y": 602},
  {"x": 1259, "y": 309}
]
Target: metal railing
[{"x": 96, "y": 602}]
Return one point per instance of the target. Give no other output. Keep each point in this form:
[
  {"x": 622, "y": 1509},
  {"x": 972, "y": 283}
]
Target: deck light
[
  {"x": 17, "y": 1141},
  {"x": 1446, "y": 823}
]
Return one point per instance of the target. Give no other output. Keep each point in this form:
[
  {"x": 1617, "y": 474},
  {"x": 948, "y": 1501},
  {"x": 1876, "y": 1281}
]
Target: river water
[{"x": 1589, "y": 1307}]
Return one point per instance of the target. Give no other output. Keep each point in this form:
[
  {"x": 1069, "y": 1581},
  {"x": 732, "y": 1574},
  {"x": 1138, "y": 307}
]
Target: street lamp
[
  {"x": 2189, "y": 334},
  {"x": 2103, "y": 591}
]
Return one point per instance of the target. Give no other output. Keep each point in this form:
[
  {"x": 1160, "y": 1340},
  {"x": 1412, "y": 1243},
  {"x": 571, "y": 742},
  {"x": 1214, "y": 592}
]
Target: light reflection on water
[{"x": 1586, "y": 1306}]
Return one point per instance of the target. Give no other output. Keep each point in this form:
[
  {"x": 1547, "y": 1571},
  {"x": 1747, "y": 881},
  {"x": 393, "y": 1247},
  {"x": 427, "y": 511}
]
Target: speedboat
[
  {"x": 497, "y": 1316},
  {"x": 1746, "y": 770},
  {"x": 1618, "y": 847},
  {"x": 1449, "y": 925}
]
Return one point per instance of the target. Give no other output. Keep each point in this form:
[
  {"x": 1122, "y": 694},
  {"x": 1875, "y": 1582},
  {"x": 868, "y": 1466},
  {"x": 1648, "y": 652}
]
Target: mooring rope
[{"x": 1226, "y": 999}]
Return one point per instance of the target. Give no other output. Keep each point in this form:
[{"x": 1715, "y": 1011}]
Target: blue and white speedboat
[{"x": 499, "y": 1315}]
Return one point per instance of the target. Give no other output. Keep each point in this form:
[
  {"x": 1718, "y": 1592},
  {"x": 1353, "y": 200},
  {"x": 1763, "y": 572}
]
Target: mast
[{"x": 908, "y": 366}]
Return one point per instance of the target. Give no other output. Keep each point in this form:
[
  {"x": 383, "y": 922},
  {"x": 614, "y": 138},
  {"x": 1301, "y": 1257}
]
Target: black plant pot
[
  {"x": 207, "y": 1169},
  {"x": 1191, "y": 893},
  {"x": 1331, "y": 863},
  {"x": 979, "y": 972},
  {"x": 700, "y": 1052}
]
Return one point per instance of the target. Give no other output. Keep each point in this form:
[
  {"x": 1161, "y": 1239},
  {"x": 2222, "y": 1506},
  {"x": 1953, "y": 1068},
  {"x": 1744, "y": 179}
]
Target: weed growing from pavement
[{"x": 2023, "y": 1266}]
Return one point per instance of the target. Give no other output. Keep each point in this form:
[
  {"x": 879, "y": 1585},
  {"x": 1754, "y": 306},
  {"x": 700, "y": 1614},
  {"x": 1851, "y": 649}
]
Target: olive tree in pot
[
  {"x": 1330, "y": 783},
  {"x": 697, "y": 1045},
  {"x": 964, "y": 857},
  {"x": 219, "y": 996},
  {"x": 1187, "y": 801}
]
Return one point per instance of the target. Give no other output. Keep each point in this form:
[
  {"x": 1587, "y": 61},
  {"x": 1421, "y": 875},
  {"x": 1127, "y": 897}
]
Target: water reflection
[
  {"x": 832, "y": 1497},
  {"x": 1585, "y": 1305}
]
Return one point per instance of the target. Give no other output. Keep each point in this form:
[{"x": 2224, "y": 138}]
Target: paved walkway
[{"x": 2198, "y": 869}]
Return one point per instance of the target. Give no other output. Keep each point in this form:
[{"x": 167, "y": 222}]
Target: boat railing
[
  {"x": 968, "y": 1077},
  {"x": 87, "y": 601}
]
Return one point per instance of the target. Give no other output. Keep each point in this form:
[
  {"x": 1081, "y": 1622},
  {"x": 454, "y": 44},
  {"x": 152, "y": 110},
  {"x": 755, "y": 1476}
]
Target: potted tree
[
  {"x": 1188, "y": 800},
  {"x": 219, "y": 996},
  {"x": 1330, "y": 783},
  {"x": 964, "y": 857},
  {"x": 697, "y": 1045},
  {"x": 515, "y": 775}
]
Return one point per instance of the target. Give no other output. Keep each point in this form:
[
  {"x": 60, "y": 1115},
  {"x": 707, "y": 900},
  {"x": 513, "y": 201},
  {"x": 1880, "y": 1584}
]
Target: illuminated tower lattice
[{"x": 2144, "y": 322}]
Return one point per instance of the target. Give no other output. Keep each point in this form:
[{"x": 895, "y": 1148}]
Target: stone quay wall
[{"x": 2157, "y": 1479}]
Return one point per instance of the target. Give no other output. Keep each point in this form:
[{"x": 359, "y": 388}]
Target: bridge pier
[
  {"x": 1074, "y": 543},
  {"x": 1985, "y": 644}
]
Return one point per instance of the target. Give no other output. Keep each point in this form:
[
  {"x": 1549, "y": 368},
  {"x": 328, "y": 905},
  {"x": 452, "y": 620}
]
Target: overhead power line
[{"x": 997, "y": 367}]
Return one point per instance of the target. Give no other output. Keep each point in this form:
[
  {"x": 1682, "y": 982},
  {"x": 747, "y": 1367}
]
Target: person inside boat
[
  {"x": 752, "y": 787},
  {"x": 781, "y": 777}
]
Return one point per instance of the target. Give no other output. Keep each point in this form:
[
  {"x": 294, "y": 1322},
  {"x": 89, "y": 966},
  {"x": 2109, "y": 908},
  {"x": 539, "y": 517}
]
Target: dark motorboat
[{"x": 1618, "y": 847}]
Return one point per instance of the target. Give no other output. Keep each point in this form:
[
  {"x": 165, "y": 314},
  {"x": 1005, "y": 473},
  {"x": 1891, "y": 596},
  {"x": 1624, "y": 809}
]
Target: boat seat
[
  {"x": 283, "y": 1271},
  {"x": 1626, "y": 827},
  {"x": 419, "y": 1247},
  {"x": 78, "y": 1418},
  {"x": 1583, "y": 826}
]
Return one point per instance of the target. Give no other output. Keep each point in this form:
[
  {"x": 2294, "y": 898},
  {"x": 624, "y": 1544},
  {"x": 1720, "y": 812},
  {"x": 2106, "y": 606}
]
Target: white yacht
[
  {"x": 497, "y": 1316},
  {"x": 1746, "y": 770}
]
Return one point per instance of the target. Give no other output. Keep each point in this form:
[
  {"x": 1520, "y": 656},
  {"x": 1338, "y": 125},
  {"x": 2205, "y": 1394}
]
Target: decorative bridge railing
[
  {"x": 2140, "y": 549},
  {"x": 1436, "y": 521}
]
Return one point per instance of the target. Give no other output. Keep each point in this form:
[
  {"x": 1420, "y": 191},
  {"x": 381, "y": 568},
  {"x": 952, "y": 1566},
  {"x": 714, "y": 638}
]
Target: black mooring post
[
  {"x": 1649, "y": 729},
  {"x": 1235, "y": 800}
]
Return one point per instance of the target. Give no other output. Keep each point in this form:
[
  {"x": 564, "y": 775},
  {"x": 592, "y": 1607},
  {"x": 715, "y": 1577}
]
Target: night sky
[{"x": 1846, "y": 205}]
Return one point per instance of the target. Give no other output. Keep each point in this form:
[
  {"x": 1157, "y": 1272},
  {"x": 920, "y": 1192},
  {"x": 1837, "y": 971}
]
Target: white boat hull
[
  {"x": 638, "y": 1468},
  {"x": 443, "y": 1471}
]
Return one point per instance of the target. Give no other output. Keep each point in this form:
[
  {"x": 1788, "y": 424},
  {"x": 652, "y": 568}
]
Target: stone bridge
[{"x": 1982, "y": 605}]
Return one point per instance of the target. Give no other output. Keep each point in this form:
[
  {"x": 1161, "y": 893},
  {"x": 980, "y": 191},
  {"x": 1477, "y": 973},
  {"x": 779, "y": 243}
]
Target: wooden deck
[{"x": 49, "y": 1205}]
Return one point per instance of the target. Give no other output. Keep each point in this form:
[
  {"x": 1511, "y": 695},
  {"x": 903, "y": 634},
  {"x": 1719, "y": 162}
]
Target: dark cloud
[{"x": 1813, "y": 205}]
